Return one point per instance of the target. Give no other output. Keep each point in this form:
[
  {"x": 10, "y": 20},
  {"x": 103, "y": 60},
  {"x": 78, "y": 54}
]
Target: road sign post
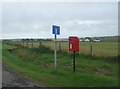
[
  {"x": 55, "y": 31},
  {"x": 55, "y": 54}
]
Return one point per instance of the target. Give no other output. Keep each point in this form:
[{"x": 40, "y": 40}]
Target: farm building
[
  {"x": 80, "y": 40},
  {"x": 96, "y": 40},
  {"x": 87, "y": 40}
]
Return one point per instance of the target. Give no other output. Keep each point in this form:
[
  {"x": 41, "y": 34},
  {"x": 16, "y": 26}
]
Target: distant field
[{"x": 104, "y": 49}]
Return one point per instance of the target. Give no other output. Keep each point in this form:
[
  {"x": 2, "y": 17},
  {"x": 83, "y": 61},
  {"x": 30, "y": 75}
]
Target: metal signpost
[{"x": 55, "y": 31}]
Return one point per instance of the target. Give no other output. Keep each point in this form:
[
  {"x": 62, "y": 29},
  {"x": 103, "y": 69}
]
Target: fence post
[
  {"x": 27, "y": 44},
  {"x": 91, "y": 50},
  {"x": 39, "y": 43},
  {"x": 32, "y": 44},
  {"x": 23, "y": 43},
  {"x": 59, "y": 47}
]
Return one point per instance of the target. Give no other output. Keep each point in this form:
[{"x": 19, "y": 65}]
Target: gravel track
[{"x": 12, "y": 79}]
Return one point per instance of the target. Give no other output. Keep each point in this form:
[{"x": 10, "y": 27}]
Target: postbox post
[{"x": 74, "y": 61}]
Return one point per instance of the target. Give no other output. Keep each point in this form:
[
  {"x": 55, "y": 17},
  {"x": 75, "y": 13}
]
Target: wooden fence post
[
  {"x": 39, "y": 43},
  {"x": 59, "y": 47},
  {"x": 32, "y": 44},
  {"x": 27, "y": 44},
  {"x": 91, "y": 50}
]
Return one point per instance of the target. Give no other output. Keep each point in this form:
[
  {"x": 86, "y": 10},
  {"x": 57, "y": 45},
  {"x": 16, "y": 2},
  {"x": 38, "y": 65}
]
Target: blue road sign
[{"x": 56, "y": 30}]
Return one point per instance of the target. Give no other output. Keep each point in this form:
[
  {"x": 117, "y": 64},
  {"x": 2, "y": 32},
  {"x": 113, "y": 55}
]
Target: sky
[{"x": 35, "y": 19}]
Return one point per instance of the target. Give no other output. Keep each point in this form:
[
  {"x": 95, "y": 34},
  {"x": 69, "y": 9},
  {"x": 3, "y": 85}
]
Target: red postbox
[{"x": 73, "y": 44}]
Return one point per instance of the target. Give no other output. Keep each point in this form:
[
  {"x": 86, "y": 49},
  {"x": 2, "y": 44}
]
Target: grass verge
[{"x": 37, "y": 64}]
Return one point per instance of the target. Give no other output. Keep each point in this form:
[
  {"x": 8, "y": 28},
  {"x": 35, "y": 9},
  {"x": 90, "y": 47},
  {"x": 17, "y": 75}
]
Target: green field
[
  {"x": 101, "y": 49},
  {"x": 38, "y": 64}
]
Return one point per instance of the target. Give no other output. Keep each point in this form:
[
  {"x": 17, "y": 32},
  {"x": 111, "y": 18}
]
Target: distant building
[
  {"x": 80, "y": 40},
  {"x": 96, "y": 40},
  {"x": 87, "y": 40}
]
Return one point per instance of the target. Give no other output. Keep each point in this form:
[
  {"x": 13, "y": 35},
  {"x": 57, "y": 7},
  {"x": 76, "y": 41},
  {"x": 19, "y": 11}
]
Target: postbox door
[{"x": 73, "y": 44}]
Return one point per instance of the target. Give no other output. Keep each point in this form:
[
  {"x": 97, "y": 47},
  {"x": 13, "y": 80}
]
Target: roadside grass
[
  {"x": 7, "y": 46},
  {"x": 38, "y": 64}
]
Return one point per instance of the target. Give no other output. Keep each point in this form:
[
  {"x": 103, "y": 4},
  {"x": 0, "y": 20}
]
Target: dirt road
[{"x": 11, "y": 79}]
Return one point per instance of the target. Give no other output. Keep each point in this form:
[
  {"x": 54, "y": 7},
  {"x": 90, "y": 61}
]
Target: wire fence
[{"x": 87, "y": 48}]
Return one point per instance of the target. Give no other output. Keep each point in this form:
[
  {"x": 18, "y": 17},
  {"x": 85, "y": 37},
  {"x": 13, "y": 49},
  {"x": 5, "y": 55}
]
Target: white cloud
[
  {"x": 90, "y": 22},
  {"x": 81, "y": 19}
]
